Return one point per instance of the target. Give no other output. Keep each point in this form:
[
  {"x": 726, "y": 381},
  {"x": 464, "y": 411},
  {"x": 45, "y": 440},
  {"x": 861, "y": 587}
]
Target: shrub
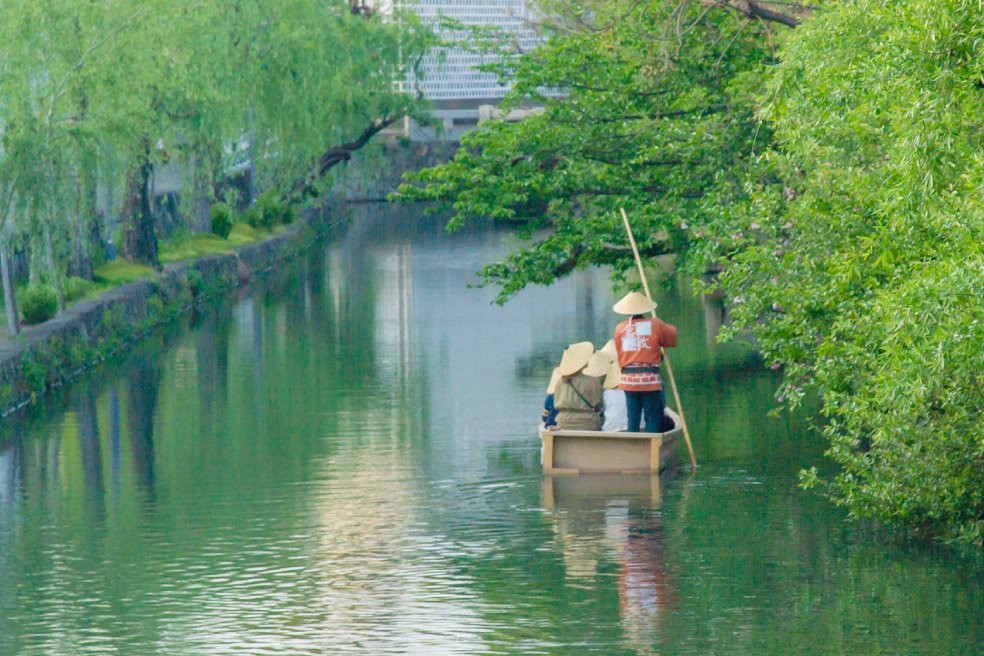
[
  {"x": 273, "y": 210},
  {"x": 288, "y": 215},
  {"x": 38, "y": 303},
  {"x": 222, "y": 219},
  {"x": 195, "y": 282},
  {"x": 76, "y": 288},
  {"x": 252, "y": 217}
]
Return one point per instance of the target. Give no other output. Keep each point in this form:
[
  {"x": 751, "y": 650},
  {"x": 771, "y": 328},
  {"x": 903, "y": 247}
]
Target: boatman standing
[{"x": 639, "y": 342}]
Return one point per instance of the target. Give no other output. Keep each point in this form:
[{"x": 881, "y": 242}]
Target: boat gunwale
[{"x": 669, "y": 435}]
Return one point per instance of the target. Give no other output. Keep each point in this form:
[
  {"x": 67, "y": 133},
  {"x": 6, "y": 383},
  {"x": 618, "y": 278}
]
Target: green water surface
[{"x": 343, "y": 461}]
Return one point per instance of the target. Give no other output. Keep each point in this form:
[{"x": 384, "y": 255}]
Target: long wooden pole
[{"x": 666, "y": 359}]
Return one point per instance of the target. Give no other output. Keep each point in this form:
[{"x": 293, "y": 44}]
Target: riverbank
[{"x": 50, "y": 354}]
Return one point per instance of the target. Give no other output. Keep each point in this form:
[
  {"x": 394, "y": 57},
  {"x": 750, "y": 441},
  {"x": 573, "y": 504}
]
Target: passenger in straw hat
[
  {"x": 615, "y": 412},
  {"x": 578, "y": 397},
  {"x": 609, "y": 350},
  {"x": 549, "y": 410},
  {"x": 640, "y": 342}
]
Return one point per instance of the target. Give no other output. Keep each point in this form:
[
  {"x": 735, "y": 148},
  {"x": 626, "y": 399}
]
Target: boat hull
[{"x": 580, "y": 452}]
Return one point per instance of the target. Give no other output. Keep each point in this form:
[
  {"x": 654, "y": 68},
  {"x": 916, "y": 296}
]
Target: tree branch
[
  {"x": 340, "y": 154},
  {"x": 755, "y": 10},
  {"x": 60, "y": 89}
]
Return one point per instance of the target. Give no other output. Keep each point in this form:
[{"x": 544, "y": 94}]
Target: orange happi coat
[{"x": 639, "y": 344}]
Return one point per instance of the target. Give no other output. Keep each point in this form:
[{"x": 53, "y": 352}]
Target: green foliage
[
  {"x": 859, "y": 276},
  {"x": 96, "y": 93},
  {"x": 34, "y": 372},
  {"x": 831, "y": 173},
  {"x": 156, "y": 312},
  {"x": 222, "y": 220},
  {"x": 194, "y": 246},
  {"x": 120, "y": 272},
  {"x": 253, "y": 217},
  {"x": 657, "y": 117},
  {"x": 195, "y": 282},
  {"x": 37, "y": 303},
  {"x": 272, "y": 210},
  {"x": 78, "y": 288}
]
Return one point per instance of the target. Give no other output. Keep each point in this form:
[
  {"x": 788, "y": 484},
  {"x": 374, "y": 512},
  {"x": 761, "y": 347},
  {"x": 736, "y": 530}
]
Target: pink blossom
[
  {"x": 774, "y": 366},
  {"x": 683, "y": 226},
  {"x": 781, "y": 399},
  {"x": 777, "y": 252},
  {"x": 739, "y": 300},
  {"x": 777, "y": 307},
  {"x": 737, "y": 235},
  {"x": 788, "y": 224},
  {"x": 790, "y": 193},
  {"x": 755, "y": 226}
]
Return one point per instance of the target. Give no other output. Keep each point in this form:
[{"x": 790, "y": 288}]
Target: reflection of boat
[
  {"x": 578, "y": 452},
  {"x": 588, "y": 492},
  {"x": 603, "y": 520}
]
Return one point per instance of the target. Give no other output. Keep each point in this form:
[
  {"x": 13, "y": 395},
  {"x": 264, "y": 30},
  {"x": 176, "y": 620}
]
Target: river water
[{"x": 343, "y": 460}]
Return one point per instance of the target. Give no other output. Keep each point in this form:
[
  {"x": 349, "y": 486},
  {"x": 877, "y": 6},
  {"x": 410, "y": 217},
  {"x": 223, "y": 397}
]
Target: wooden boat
[{"x": 581, "y": 452}]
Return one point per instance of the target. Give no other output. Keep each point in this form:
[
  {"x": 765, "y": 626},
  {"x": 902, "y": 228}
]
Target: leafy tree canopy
[
  {"x": 861, "y": 280},
  {"x": 647, "y": 106}
]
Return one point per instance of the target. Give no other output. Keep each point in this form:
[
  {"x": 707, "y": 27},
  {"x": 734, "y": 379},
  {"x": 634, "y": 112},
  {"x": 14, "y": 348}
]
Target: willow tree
[
  {"x": 56, "y": 102},
  {"x": 95, "y": 93}
]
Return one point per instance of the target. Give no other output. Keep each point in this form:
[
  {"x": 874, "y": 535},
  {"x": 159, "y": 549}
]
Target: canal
[{"x": 343, "y": 460}]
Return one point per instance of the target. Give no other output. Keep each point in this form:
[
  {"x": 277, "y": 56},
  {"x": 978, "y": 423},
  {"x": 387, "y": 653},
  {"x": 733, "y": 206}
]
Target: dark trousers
[{"x": 652, "y": 403}]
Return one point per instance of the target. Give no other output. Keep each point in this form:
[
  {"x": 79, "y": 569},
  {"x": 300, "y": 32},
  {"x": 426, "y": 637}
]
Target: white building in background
[{"x": 451, "y": 79}]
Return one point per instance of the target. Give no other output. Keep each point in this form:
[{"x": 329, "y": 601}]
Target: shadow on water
[{"x": 341, "y": 459}]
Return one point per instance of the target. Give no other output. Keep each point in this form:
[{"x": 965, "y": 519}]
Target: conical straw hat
[
  {"x": 613, "y": 377},
  {"x": 554, "y": 379},
  {"x": 634, "y": 303},
  {"x": 609, "y": 350},
  {"x": 597, "y": 365},
  {"x": 575, "y": 357}
]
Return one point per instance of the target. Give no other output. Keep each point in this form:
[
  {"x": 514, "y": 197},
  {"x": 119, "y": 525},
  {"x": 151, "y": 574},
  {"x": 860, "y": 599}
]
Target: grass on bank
[
  {"x": 189, "y": 247},
  {"x": 120, "y": 272},
  {"x": 230, "y": 230}
]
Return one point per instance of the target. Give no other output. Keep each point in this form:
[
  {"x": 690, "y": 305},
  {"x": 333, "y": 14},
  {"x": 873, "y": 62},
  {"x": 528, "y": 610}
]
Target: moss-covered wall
[{"x": 50, "y": 354}]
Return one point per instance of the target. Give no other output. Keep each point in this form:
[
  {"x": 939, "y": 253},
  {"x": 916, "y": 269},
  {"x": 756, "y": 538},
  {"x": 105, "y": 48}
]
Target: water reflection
[
  {"x": 344, "y": 462},
  {"x": 143, "y": 380},
  {"x": 91, "y": 455},
  {"x": 605, "y": 518}
]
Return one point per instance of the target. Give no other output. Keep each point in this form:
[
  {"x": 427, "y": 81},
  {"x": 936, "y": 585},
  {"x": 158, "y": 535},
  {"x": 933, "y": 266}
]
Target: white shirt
[{"x": 616, "y": 414}]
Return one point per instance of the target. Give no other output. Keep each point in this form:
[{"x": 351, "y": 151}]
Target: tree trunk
[
  {"x": 9, "y": 297},
  {"x": 80, "y": 263},
  {"x": 49, "y": 253},
  {"x": 93, "y": 219},
  {"x": 252, "y": 192},
  {"x": 203, "y": 190},
  {"x": 139, "y": 241}
]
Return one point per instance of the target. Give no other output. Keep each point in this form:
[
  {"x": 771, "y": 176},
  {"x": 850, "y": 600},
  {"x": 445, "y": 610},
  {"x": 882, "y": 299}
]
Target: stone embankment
[{"x": 52, "y": 353}]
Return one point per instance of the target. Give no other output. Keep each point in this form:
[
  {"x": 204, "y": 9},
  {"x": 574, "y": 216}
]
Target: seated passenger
[
  {"x": 578, "y": 397},
  {"x": 616, "y": 413},
  {"x": 609, "y": 350},
  {"x": 549, "y": 411}
]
